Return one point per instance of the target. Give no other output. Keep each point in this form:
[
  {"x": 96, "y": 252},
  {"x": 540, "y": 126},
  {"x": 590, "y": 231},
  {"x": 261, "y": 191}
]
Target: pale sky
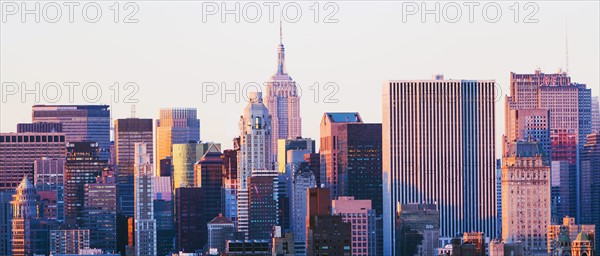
[{"x": 171, "y": 52}]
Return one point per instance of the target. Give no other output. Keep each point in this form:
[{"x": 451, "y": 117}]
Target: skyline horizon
[{"x": 188, "y": 60}]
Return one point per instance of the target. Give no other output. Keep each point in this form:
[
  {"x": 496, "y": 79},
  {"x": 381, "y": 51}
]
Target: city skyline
[
  {"x": 178, "y": 129},
  {"x": 537, "y": 40}
]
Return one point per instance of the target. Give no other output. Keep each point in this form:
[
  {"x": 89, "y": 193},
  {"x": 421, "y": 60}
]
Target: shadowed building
[
  {"x": 325, "y": 234},
  {"x": 417, "y": 231},
  {"x": 82, "y": 167}
]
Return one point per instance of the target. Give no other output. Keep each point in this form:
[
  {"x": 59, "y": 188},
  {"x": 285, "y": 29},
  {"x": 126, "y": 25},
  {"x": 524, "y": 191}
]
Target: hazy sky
[{"x": 170, "y": 52}]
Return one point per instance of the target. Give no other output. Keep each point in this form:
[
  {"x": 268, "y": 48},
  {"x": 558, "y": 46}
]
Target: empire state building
[{"x": 283, "y": 103}]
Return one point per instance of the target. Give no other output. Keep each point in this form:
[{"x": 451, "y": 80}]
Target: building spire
[{"x": 281, "y": 52}]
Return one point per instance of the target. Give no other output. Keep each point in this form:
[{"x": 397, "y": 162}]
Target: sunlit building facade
[{"x": 438, "y": 148}]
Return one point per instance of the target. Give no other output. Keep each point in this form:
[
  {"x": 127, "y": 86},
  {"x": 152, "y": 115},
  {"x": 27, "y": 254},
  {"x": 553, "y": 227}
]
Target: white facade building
[
  {"x": 145, "y": 224},
  {"x": 255, "y": 152}
]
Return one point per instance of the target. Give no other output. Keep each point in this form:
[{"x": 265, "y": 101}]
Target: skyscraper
[
  {"x": 79, "y": 123},
  {"x": 302, "y": 181},
  {"x": 207, "y": 174},
  {"x": 569, "y": 105},
  {"x": 525, "y": 196},
  {"x": 29, "y": 232},
  {"x": 18, "y": 151},
  {"x": 255, "y": 145},
  {"x": 145, "y": 224},
  {"x": 329, "y": 146},
  {"x": 175, "y": 125},
  {"x": 283, "y": 102},
  {"x": 82, "y": 167},
  {"x": 100, "y": 212},
  {"x": 128, "y": 132},
  {"x": 359, "y": 158},
  {"x": 438, "y": 148},
  {"x": 185, "y": 156},
  {"x": 189, "y": 219},
  {"x": 262, "y": 204},
  {"x": 590, "y": 185},
  {"x": 164, "y": 215}
]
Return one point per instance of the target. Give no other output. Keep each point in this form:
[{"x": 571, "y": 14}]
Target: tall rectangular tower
[
  {"x": 255, "y": 145},
  {"x": 329, "y": 149},
  {"x": 438, "y": 148},
  {"x": 145, "y": 224}
]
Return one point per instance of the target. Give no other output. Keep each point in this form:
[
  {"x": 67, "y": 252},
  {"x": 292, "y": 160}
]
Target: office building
[
  {"x": 185, "y": 156},
  {"x": 303, "y": 180},
  {"x": 361, "y": 216},
  {"x": 82, "y": 167},
  {"x": 262, "y": 204},
  {"x": 314, "y": 164},
  {"x": 359, "y": 158},
  {"x": 590, "y": 182},
  {"x": 417, "y": 229},
  {"x": 325, "y": 234},
  {"x": 439, "y": 148},
  {"x": 39, "y": 127},
  {"x": 174, "y": 126},
  {"x": 18, "y": 151},
  {"x": 220, "y": 229},
  {"x": 49, "y": 183},
  {"x": 283, "y": 145},
  {"x": 208, "y": 175},
  {"x": 164, "y": 215},
  {"x": 145, "y": 224},
  {"x": 129, "y": 131},
  {"x": 80, "y": 123},
  {"x": 100, "y": 212},
  {"x": 189, "y": 219},
  {"x": 255, "y": 143},
  {"x": 68, "y": 240},
  {"x": 230, "y": 184},
  {"x": 329, "y": 150},
  {"x": 283, "y": 102},
  {"x": 569, "y": 105}
]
